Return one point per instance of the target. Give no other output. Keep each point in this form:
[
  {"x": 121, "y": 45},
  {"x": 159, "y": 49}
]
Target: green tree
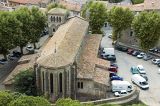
[
  {"x": 23, "y": 15},
  {"x": 147, "y": 29},
  {"x": 120, "y": 19},
  {"x": 5, "y": 98},
  {"x": 25, "y": 82},
  {"x": 67, "y": 102},
  {"x": 85, "y": 9},
  {"x": 55, "y": 5},
  {"x": 29, "y": 101},
  {"x": 9, "y": 27},
  {"x": 37, "y": 25},
  {"x": 97, "y": 14}
]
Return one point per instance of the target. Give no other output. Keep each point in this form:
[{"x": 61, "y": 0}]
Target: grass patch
[{"x": 137, "y": 1}]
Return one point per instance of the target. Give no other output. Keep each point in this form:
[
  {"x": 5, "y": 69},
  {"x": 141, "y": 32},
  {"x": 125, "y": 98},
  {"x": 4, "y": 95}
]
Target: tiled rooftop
[
  {"x": 66, "y": 41},
  {"x": 71, "y": 6},
  {"x": 89, "y": 60}
]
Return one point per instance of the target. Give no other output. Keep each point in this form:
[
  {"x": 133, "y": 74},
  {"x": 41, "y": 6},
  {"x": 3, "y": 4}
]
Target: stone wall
[{"x": 133, "y": 96}]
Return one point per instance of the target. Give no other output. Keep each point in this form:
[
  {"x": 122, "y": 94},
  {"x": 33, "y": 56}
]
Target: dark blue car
[
  {"x": 116, "y": 78},
  {"x": 112, "y": 74}
]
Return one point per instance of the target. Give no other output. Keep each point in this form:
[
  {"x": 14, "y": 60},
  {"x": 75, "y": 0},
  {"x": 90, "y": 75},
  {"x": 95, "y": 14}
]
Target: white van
[
  {"x": 139, "y": 81},
  {"x": 118, "y": 86},
  {"x": 108, "y": 53}
]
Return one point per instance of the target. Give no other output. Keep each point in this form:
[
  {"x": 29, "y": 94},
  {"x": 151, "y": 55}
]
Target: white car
[
  {"x": 156, "y": 61},
  {"x": 141, "y": 55},
  {"x": 158, "y": 71},
  {"x": 141, "y": 70},
  {"x": 110, "y": 36},
  {"x": 121, "y": 93},
  {"x": 29, "y": 48}
]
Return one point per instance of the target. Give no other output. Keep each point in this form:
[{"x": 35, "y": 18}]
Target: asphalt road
[{"x": 152, "y": 96}]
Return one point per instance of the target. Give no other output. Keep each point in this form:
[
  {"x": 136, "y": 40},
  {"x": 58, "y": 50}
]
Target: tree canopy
[
  {"x": 120, "y": 19},
  {"x": 25, "y": 82},
  {"x": 96, "y": 12},
  {"x": 9, "y": 27},
  {"x": 37, "y": 25},
  {"x": 24, "y": 16},
  {"x": 147, "y": 29}
]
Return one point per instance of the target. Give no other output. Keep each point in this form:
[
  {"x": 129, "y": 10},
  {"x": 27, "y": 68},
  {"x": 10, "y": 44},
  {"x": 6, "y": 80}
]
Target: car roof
[
  {"x": 156, "y": 59},
  {"x": 140, "y": 66},
  {"x": 134, "y": 67},
  {"x": 123, "y": 91},
  {"x": 137, "y": 76}
]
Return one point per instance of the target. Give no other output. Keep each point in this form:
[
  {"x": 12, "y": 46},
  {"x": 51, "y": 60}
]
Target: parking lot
[{"x": 151, "y": 96}]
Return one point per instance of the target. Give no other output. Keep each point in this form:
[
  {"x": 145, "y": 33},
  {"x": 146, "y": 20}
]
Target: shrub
[
  {"x": 67, "y": 102},
  {"x": 29, "y": 101},
  {"x": 5, "y": 98}
]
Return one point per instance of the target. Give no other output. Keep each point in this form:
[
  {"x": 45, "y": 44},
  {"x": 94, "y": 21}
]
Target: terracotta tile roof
[
  {"x": 26, "y": 1},
  {"x": 71, "y": 6},
  {"x": 147, "y": 5},
  {"x": 66, "y": 41},
  {"x": 25, "y": 62},
  {"x": 101, "y": 76},
  {"x": 89, "y": 60}
]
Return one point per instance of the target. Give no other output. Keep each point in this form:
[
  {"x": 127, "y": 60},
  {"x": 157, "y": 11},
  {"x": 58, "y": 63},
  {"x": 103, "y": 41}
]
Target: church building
[{"x": 68, "y": 65}]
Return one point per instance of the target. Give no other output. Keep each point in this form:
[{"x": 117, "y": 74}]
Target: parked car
[
  {"x": 158, "y": 64},
  {"x": 158, "y": 71},
  {"x": 112, "y": 64},
  {"x": 141, "y": 69},
  {"x": 112, "y": 74},
  {"x": 130, "y": 51},
  {"x": 134, "y": 70},
  {"x": 108, "y": 54},
  {"x": 118, "y": 86},
  {"x": 116, "y": 78},
  {"x": 135, "y": 53},
  {"x": 3, "y": 61},
  {"x": 110, "y": 36},
  {"x": 121, "y": 48},
  {"x": 147, "y": 57},
  {"x": 141, "y": 55},
  {"x": 155, "y": 50},
  {"x": 156, "y": 61},
  {"x": 140, "y": 81},
  {"x": 12, "y": 56},
  {"x": 121, "y": 93},
  {"x": 29, "y": 48},
  {"x": 16, "y": 53},
  {"x": 144, "y": 76},
  {"x": 113, "y": 69}
]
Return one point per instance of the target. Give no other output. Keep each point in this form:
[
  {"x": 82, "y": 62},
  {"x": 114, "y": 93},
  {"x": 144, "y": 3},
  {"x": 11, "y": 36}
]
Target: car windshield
[
  {"x": 123, "y": 92},
  {"x": 144, "y": 83}
]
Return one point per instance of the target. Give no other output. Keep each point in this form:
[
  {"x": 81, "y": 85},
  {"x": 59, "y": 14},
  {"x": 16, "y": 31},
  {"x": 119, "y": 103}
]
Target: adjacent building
[{"x": 68, "y": 65}]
